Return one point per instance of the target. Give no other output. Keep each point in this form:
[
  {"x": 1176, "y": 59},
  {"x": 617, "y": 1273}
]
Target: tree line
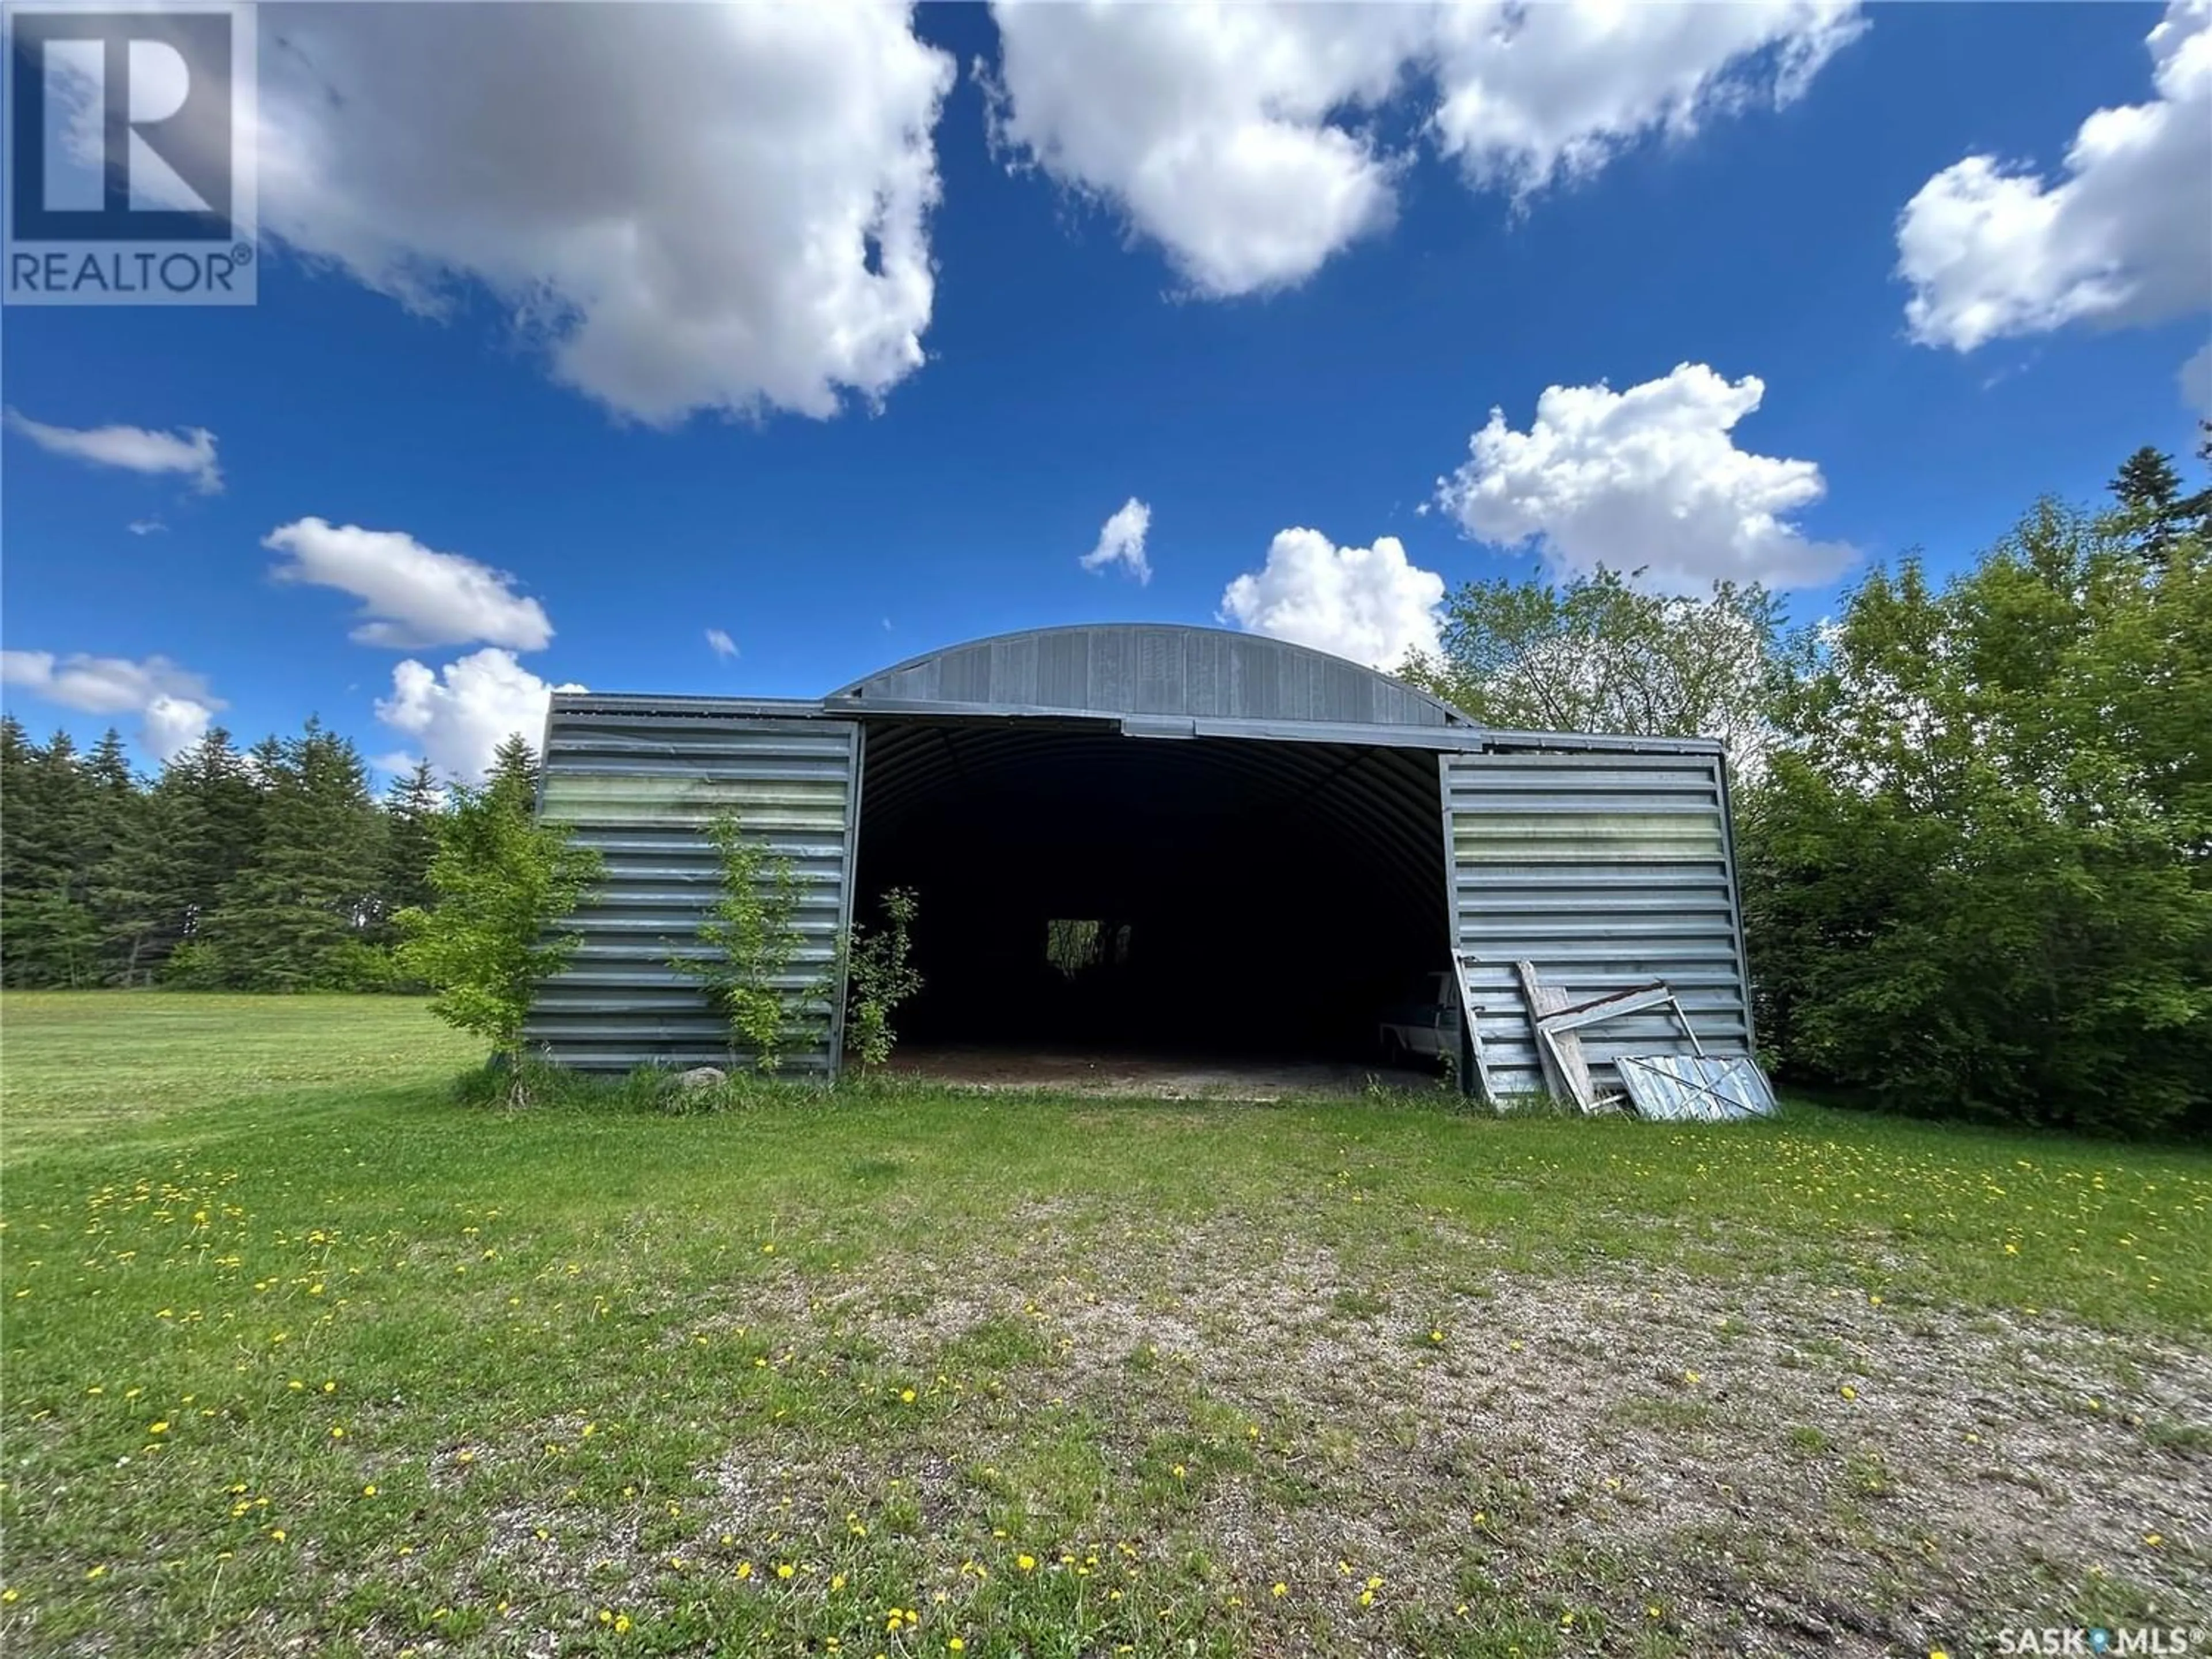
[
  {"x": 1973, "y": 819},
  {"x": 273, "y": 868}
]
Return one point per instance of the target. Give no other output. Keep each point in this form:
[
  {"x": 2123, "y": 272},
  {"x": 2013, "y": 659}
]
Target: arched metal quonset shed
[{"x": 1262, "y": 845}]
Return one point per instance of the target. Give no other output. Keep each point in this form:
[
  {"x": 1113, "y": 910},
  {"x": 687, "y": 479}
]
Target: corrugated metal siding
[
  {"x": 641, "y": 787},
  {"x": 1144, "y": 668},
  {"x": 1606, "y": 870}
]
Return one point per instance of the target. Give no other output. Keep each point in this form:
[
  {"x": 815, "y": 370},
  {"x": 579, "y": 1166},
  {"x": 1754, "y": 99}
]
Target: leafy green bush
[
  {"x": 1978, "y": 870},
  {"x": 751, "y": 936},
  {"x": 880, "y": 977},
  {"x": 503, "y": 881}
]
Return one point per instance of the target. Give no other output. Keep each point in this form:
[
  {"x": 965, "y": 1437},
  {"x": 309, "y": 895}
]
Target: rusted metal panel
[
  {"x": 1606, "y": 869},
  {"x": 640, "y": 787}
]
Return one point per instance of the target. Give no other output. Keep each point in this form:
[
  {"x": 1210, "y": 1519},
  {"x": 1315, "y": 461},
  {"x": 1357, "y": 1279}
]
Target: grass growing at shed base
[{"x": 301, "y": 1351}]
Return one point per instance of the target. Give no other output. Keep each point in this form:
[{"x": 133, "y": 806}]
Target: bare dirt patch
[
  {"x": 1777, "y": 1466},
  {"x": 1152, "y": 1077}
]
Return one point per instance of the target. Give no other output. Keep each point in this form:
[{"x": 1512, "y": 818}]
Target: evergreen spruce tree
[
  {"x": 134, "y": 889},
  {"x": 516, "y": 773},
  {"x": 2153, "y": 515},
  {"x": 211, "y": 829},
  {"x": 412, "y": 808},
  {"x": 52, "y": 933},
  {"x": 18, "y": 756},
  {"x": 300, "y": 915}
]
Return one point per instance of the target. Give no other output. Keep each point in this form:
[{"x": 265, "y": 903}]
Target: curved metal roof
[{"x": 1149, "y": 668}]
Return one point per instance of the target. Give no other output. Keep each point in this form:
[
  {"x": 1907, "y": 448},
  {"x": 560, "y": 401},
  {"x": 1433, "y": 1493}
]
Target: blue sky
[{"x": 1089, "y": 335}]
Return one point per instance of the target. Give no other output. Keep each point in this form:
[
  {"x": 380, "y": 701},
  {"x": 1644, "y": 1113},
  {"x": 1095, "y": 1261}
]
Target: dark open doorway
[{"x": 1080, "y": 886}]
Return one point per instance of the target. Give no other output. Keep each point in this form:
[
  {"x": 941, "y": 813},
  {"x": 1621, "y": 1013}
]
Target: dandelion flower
[
  {"x": 1026, "y": 1563},
  {"x": 1279, "y": 1589},
  {"x": 1848, "y": 1392},
  {"x": 2154, "y": 1539},
  {"x": 784, "y": 1570}
]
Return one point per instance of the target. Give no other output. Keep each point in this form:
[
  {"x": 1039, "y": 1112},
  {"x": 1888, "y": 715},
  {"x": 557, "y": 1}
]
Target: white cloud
[
  {"x": 2196, "y": 380},
  {"x": 720, "y": 642},
  {"x": 174, "y": 703},
  {"x": 718, "y": 208},
  {"x": 1122, "y": 541},
  {"x": 1646, "y": 479},
  {"x": 1534, "y": 95},
  {"x": 1209, "y": 126},
  {"x": 190, "y": 451},
  {"x": 1239, "y": 137},
  {"x": 412, "y": 595},
  {"x": 459, "y": 713},
  {"x": 145, "y": 527},
  {"x": 169, "y": 726},
  {"x": 2125, "y": 238},
  {"x": 1369, "y": 604}
]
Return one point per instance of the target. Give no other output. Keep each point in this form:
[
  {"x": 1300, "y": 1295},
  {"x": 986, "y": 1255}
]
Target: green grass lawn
[{"x": 302, "y": 1355}]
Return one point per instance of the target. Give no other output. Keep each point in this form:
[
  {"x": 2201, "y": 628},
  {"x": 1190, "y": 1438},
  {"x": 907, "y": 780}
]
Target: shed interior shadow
[{"x": 1078, "y": 885}]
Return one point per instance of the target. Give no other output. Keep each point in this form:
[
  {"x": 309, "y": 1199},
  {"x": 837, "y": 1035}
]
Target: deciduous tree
[
  {"x": 1600, "y": 654},
  {"x": 503, "y": 882}
]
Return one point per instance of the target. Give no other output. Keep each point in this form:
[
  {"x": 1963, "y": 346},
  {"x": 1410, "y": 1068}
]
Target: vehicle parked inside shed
[{"x": 1424, "y": 1025}]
